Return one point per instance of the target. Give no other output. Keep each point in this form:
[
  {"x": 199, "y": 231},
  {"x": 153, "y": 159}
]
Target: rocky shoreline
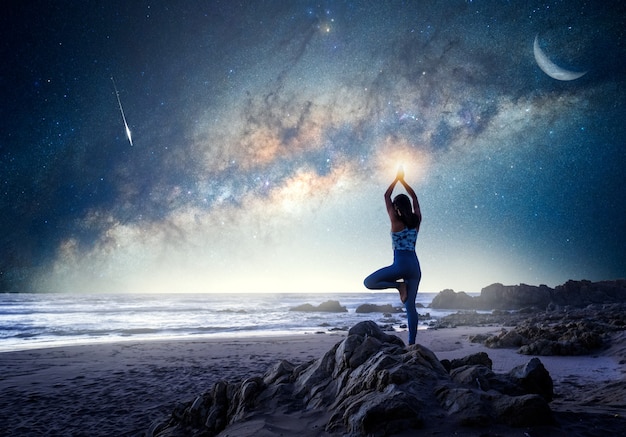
[
  {"x": 372, "y": 384},
  {"x": 569, "y": 331}
]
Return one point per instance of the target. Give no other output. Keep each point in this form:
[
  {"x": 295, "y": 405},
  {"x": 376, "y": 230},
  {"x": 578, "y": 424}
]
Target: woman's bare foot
[{"x": 403, "y": 293}]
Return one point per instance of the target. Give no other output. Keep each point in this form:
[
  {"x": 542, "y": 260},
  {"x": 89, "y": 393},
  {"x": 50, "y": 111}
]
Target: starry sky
[{"x": 264, "y": 133}]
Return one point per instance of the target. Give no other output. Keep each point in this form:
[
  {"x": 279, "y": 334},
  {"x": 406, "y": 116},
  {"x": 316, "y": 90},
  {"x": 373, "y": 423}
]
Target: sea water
[{"x": 48, "y": 320}]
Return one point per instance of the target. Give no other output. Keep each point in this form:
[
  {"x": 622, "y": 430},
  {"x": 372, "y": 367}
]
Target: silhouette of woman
[{"x": 405, "y": 218}]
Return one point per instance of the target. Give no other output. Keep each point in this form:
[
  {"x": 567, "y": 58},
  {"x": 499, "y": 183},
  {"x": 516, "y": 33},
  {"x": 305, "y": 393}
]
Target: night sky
[{"x": 264, "y": 134}]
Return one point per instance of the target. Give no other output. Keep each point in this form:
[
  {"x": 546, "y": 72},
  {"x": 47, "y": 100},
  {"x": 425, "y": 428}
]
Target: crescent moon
[{"x": 550, "y": 68}]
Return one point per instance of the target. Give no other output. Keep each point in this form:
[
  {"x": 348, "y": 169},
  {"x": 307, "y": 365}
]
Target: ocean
[{"x": 47, "y": 320}]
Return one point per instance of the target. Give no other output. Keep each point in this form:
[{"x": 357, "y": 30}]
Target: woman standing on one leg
[{"x": 405, "y": 223}]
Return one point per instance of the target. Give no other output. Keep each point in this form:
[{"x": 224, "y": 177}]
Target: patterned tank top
[{"x": 405, "y": 239}]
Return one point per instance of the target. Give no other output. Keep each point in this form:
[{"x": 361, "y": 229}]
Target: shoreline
[
  {"x": 121, "y": 388},
  {"x": 41, "y": 321}
]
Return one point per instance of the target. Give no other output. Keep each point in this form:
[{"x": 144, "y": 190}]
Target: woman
[{"x": 405, "y": 223}]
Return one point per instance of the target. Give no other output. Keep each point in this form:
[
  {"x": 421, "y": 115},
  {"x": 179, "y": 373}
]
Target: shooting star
[{"x": 119, "y": 102}]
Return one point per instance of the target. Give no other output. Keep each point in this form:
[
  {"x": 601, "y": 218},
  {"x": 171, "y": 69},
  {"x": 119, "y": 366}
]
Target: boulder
[
  {"x": 505, "y": 339},
  {"x": 374, "y": 308},
  {"x": 449, "y": 299},
  {"x": 370, "y": 383},
  {"x": 533, "y": 378},
  {"x": 478, "y": 359},
  {"x": 522, "y": 411},
  {"x": 330, "y": 306}
]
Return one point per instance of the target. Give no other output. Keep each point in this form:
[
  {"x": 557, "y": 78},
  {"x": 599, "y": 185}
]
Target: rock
[
  {"x": 505, "y": 297},
  {"x": 476, "y": 377},
  {"x": 371, "y": 329},
  {"x": 582, "y": 293},
  {"x": 522, "y": 411},
  {"x": 371, "y": 384},
  {"x": 530, "y": 299},
  {"x": 377, "y": 414},
  {"x": 478, "y": 359},
  {"x": 279, "y": 373},
  {"x": 567, "y": 331},
  {"x": 373, "y": 308},
  {"x": 506, "y": 339},
  {"x": 474, "y": 318},
  {"x": 330, "y": 306},
  {"x": 449, "y": 299},
  {"x": 533, "y": 378},
  {"x": 465, "y": 406}
]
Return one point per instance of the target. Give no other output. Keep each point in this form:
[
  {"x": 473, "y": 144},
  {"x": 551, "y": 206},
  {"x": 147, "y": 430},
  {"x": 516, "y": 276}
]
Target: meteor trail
[{"x": 117, "y": 94}]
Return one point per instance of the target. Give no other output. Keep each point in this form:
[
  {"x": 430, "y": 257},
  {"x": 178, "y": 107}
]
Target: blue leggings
[{"x": 405, "y": 266}]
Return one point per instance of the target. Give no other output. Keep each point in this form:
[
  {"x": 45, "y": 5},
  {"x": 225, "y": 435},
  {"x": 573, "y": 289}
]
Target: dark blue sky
[{"x": 265, "y": 133}]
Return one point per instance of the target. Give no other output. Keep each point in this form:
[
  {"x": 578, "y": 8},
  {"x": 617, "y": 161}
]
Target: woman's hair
[{"x": 404, "y": 210}]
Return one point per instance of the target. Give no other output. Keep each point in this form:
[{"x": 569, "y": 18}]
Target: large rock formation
[
  {"x": 371, "y": 384},
  {"x": 515, "y": 297},
  {"x": 582, "y": 293},
  {"x": 506, "y": 297}
]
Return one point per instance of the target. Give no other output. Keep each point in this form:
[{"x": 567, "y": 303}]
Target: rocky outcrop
[
  {"x": 583, "y": 293},
  {"x": 372, "y": 384},
  {"x": 565, "y": 332},
  {"x": 330, "y": 306},
  {"x": 506, "y": 297},
  {"x": 515, "y": 297}
]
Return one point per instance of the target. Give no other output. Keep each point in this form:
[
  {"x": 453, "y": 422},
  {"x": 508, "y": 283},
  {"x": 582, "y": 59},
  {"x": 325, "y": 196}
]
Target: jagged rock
[
  {"x": 478, "y": 359},
  {"x": 372, "y": 384},
  {"x": 330, "y": 306},
  {"x": 373, "y": 308},
  {"x": 371, "y": 329},
  {"x": 377, "y": 414},
  {"x": 533, "y": 378},
  {"x": 279, "y": 373},
  {"x": 466, "y": 406},
  {"x": 473, "y": 376},
  {"x": 576, "y": 332},
  {"x": 506, "y": 339}
]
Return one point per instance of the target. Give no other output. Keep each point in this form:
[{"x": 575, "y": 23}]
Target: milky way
[{"x": 264, "y": 135}]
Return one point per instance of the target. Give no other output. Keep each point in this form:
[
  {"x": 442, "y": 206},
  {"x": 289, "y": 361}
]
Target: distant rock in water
[
  {"x": 516, "y": 297},
  {"x": 449, "y": 299},
  {"x": 370, "y": 384},
  {"x": 373, "y": 308},
  {"x": 330, "y": 306}
]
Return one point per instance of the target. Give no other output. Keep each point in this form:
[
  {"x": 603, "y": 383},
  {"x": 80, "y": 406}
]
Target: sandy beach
[{"x": 121, "y": 388}]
